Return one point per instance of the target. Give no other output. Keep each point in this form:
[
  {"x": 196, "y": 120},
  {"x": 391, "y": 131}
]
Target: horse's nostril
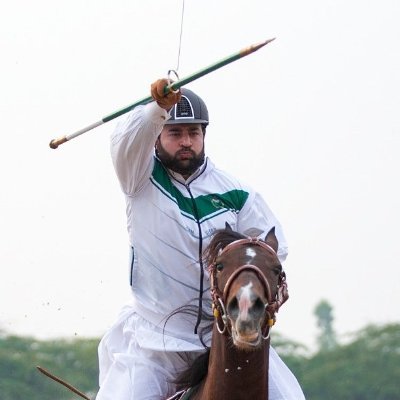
[
  {"x": 258, "y": 307},
  {"x": 233, "y": 308}
]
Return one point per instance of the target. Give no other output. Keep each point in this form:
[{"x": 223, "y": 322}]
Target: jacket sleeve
[
  {"x": 257, "y": 219},
  {"x": 132, "y": 145}
]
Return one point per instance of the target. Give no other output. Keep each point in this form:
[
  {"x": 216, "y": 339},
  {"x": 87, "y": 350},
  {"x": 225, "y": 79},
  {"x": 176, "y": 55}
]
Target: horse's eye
[
  {"x": 277, "y": 270},
  {"x": 219, "y": 267}
]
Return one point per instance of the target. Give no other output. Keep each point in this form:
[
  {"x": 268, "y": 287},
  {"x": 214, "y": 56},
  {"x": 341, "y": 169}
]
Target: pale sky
[{"x": 311, "y": 121}]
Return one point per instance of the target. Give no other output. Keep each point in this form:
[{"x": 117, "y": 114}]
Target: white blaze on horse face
[
  {"x": 251, "y": 254},
  {"x": 245, "y": 301}
]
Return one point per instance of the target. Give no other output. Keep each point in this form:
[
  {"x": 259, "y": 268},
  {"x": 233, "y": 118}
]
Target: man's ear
[{"x": 157, "y": 143}]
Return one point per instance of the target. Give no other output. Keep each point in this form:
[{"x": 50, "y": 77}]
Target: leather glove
[{"x": 164, "y": 101}]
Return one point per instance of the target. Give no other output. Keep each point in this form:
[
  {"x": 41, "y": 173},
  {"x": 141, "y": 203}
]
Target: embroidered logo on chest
[{"x": 217, "y": 203}]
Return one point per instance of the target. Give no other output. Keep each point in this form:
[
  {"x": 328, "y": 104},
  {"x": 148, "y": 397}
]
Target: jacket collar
[{"x": 178, "y": 177}]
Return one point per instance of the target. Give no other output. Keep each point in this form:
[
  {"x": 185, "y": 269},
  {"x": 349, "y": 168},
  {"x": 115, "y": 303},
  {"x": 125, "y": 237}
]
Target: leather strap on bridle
[{"x": 219, "y": 298}]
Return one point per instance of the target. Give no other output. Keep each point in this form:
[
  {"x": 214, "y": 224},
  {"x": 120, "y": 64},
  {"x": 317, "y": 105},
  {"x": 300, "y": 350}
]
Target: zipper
[
  {"x": 131, "y": 267},
  {"x": 201, "y": 286}
]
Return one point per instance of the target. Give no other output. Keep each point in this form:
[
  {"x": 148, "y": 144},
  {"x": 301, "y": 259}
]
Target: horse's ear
[
  {"x": 228, "y": 227},
  {"x": 271, "y": 239}
]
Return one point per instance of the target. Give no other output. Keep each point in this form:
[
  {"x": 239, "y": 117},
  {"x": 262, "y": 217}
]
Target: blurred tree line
[
  {"x": 72, "y": 360},
  {"x": 366, "y": 367}
]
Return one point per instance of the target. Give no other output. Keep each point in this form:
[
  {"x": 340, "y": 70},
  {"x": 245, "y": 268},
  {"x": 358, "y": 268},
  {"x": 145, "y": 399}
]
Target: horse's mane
[
  {"x": 220, "y": 240},
  {"x": 197, "y": 371}
]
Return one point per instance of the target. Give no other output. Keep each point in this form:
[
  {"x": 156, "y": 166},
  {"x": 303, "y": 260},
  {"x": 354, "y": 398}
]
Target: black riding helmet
[{"x": 190, "y": 109}]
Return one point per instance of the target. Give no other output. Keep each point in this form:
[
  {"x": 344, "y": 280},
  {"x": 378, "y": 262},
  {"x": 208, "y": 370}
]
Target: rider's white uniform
[{"x": 170, "y": 222}]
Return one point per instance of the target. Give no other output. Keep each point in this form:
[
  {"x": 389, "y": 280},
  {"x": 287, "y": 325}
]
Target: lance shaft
[{"x": 174, "y": 86}]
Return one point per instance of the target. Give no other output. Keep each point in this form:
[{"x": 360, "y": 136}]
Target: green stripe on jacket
[{"x": 207, "y": 205}]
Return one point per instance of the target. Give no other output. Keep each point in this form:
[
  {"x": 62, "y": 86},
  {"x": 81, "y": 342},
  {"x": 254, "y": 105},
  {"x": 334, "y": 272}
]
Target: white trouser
[{"x": 131, "y": 370}]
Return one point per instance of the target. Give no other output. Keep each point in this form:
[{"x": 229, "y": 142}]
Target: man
[{"x": 175, "y": 200}]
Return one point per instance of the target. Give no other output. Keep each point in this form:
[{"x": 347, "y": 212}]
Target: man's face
[{"x": 180, "y": 147}]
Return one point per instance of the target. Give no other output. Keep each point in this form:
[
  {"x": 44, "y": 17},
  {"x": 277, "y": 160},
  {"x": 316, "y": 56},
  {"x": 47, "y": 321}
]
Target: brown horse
[{"x": 248, "y": 286}]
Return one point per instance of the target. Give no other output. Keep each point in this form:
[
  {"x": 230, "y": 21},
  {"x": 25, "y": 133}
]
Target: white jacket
[{"x": 171, "y": 221}]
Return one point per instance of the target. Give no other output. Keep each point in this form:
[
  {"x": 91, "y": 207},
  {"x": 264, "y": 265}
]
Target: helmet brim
[{"x": 186, "y": 121}]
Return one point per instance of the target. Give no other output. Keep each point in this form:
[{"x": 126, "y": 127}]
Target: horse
[{"x": 248, "y": 286}]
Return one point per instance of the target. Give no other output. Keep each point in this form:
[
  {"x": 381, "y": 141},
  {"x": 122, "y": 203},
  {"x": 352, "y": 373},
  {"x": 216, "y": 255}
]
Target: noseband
[{"x": 219, "y": 298}]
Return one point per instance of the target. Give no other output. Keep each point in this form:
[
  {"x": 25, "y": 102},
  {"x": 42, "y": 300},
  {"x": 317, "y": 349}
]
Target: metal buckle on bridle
[
  {"x": 269, "y": 323},
  {"x": 223, "y": 315},
  {"x": 271, "y": 307}
]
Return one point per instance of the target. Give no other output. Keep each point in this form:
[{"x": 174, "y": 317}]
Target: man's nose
[{"x": 186, "y": 140}]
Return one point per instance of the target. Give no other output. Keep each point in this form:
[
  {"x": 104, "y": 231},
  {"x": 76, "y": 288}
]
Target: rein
[{"x": 219, "y": 298}]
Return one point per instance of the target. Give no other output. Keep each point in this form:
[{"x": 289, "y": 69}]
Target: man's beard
[{"x": 173, "y": 162}]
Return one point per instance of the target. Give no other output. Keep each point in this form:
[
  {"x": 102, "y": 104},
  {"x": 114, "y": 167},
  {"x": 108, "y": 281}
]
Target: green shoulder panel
[{"x": 207, "y": 206}]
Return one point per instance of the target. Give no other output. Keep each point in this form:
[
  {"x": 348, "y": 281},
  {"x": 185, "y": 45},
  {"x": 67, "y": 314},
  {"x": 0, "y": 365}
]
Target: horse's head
[{"x": 247, "y": 286}]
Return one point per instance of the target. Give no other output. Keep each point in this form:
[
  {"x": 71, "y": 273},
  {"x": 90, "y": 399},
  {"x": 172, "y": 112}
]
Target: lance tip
[
  {"x": 262, "y": 44},
  {"x": 255, "y": 47}
]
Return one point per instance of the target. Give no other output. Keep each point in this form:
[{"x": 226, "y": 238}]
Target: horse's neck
[{"x": 234, "y": 374}]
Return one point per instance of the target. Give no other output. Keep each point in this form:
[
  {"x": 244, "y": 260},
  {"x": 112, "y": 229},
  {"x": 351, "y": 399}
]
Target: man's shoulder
[{"x": 227, "y": 177}]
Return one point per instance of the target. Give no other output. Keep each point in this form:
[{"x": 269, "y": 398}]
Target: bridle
[{"x": 219, "y": 298}]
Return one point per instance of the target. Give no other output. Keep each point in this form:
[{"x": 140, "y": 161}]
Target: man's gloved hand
[{"x": 165, "y": 101}]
